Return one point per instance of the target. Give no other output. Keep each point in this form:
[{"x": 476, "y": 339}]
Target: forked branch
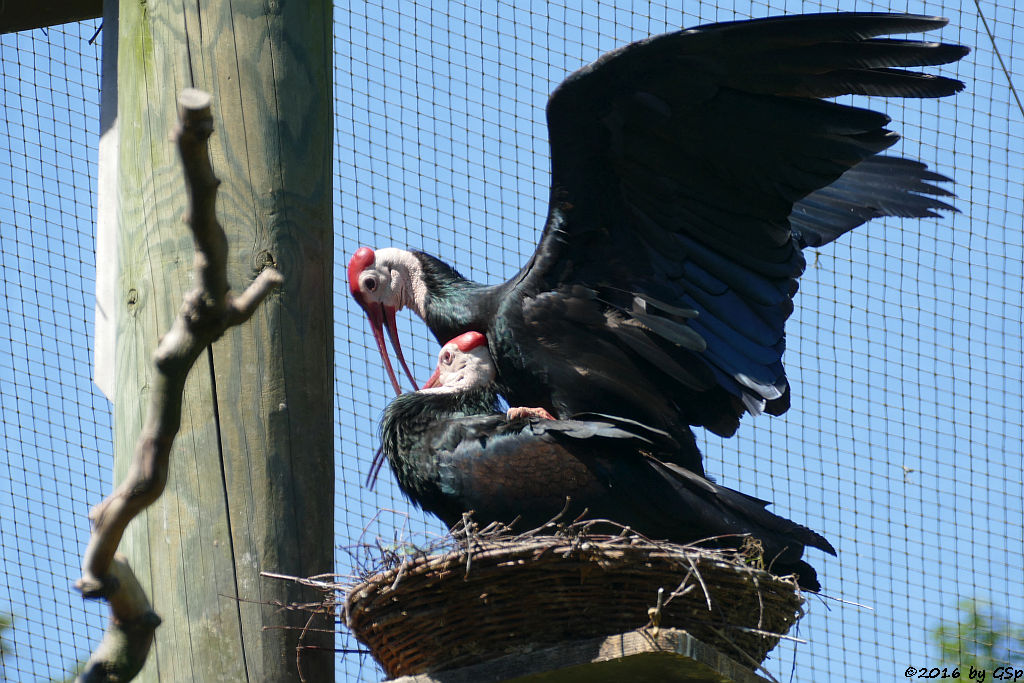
[{"x": 206, "y": 312}]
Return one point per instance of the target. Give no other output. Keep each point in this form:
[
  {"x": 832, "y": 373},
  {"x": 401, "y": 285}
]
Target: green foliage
[
  {"x": 6, "y": 623},
  {"x": 981, "y": 639}
]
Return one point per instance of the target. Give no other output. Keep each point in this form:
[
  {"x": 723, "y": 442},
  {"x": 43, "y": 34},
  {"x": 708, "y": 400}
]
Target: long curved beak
[
  {"x": 382, "y": 316},
  {"x": 396, "y": 344}
]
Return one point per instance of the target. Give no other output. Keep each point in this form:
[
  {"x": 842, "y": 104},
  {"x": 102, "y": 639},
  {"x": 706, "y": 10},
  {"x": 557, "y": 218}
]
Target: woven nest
[{"x": 495, "y": 594}]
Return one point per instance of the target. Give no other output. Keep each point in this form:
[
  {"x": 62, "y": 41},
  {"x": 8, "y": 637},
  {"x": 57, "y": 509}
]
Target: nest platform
[
  {"x": 495, "y": 595},
  {"x": 671, "y": 656}
]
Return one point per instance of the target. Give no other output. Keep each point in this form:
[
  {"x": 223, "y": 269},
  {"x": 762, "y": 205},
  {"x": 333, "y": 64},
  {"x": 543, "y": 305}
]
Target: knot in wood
[
  {"x": 264, "y": 259},
  {"x": 132, "y": 301}
]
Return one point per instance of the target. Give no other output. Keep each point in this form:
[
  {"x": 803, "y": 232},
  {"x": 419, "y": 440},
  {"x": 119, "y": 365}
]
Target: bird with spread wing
[
  {"x": 688, "y": 173},
  {"x": 452, "y": 451}
]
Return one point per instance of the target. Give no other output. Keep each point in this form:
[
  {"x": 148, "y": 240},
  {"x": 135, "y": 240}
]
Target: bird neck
[
  {"x": 413, "y": 422},
  {"x": 453, "y": 303}
]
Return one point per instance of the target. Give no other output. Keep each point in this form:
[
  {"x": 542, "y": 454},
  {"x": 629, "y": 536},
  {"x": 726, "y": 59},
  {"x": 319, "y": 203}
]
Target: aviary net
[{"x": 904, "y": 442}]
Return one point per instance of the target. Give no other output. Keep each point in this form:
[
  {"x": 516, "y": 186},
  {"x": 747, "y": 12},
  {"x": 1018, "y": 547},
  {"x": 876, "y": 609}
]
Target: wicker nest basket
[{"x": 498, "y": 595}]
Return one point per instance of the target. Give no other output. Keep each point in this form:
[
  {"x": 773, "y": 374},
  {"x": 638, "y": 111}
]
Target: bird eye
[
  {"x": 446, "y": 357},
  {"x": 370, "y": 284}
]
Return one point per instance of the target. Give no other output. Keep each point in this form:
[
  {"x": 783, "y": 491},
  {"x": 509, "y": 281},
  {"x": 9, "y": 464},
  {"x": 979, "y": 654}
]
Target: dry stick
[{"x": 206, "y": 312}]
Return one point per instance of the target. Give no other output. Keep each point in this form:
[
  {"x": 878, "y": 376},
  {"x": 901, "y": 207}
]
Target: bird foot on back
[{"x": 521, "y": 411}]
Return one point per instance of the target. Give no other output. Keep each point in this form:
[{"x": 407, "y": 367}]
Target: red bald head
[
  {"x": 468, "y": 340},
  {"x": 360, "y": 260},
  {"x": 465, "y": 343},
  {"x": 381, "y": 313}
]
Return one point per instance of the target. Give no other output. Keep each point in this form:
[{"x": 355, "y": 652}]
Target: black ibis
[
  {"x": 688, "y": 172},
  {"x": 452, "y": 451}
]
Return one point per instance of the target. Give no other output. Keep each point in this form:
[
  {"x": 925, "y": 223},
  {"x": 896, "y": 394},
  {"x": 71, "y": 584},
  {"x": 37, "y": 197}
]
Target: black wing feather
[
  {"x": 879, "y": 186},
  {"x": 691, "y": 169}
]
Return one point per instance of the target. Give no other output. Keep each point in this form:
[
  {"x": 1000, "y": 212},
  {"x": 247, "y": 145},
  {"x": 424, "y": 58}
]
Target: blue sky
[{"x": 904, "y": 442}]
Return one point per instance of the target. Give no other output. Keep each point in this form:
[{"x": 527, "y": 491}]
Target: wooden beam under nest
[{"x": 670, "y": 656}]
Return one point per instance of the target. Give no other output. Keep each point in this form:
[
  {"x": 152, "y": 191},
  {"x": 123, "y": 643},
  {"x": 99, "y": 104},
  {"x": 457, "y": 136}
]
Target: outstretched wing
[{"x": 688, "y": 172}]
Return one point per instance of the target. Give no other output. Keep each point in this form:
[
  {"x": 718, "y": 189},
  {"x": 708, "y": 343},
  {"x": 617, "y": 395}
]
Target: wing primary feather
[
  {"x": 669, "y": 330},
  {"x": 635, "y": 338},
  {"x": 862, "y": 54},
  {"x": 754, "y": 406},
  {"x": 647, "y": 300}
]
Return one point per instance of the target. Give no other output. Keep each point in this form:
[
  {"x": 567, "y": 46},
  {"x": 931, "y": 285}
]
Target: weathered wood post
[{"x": 250, "y": 486}]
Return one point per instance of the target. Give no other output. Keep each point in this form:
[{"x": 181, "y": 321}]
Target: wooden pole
[{"x": 250, "y": 483}]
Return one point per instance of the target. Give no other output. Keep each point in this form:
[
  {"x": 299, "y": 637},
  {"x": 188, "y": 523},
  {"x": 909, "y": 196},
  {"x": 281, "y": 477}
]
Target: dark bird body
[
  {"x": 452, "y": 452},
  {"x": 689, "y": 171}
]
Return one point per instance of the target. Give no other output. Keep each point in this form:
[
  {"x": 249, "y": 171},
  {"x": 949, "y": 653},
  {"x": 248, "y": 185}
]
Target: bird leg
[{"x": 521, "y": 411}]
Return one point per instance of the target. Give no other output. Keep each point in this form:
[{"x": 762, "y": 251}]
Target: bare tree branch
[
  {"x": 129, "y": 634},
  {"x": 206, "y": 312}
]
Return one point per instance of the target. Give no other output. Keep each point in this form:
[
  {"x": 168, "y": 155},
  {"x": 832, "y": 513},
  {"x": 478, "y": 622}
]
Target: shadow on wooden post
[{"x": 206, "y": 312}]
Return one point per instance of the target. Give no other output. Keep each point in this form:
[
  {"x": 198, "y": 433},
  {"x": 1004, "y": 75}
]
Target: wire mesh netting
[
  {"x": 904, "y": 442},
  {"x": 55, "y": 438}
]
